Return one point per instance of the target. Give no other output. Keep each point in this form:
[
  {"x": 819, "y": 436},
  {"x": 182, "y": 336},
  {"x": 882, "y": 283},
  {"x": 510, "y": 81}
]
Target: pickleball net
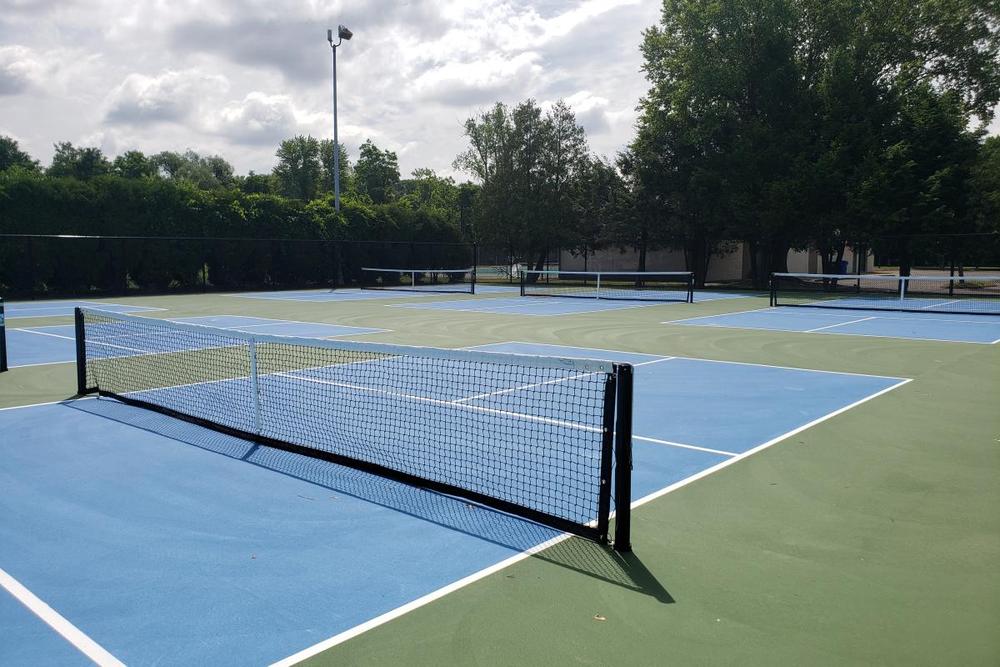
[
  {"x": 545, "y": 438},
  {"x": 618, "y": 285},
  {"x": 971, "y": 294},
  {"x": 459, "y": 281}
]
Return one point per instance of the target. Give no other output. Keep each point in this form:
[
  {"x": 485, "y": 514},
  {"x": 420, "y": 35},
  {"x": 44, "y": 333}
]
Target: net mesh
[
  {"x": 637, "y": 286},
  {"x": 971, "y": 294},
  {"x": 462, "y": 281},
  {"x": 530, "y": 435}
]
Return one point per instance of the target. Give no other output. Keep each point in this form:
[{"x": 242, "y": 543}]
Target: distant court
[{"x": 954, "y": 328}]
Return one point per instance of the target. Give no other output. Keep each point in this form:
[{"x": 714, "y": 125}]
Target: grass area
[{"x": 871, "y": 538}]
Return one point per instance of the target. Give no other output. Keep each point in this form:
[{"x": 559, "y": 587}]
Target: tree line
[{"x": 769, "y": 125}]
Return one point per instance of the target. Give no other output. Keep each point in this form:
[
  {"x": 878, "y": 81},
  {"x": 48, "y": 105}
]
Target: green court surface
[{"x": 872, "y": 537}]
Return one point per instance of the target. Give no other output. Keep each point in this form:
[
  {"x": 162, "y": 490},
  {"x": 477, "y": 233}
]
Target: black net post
[
  {"x": 774, "y": 291},
  {"x": 3, "y": 340},
  {"x": 523, "y": 278},
  {"x": 475, "y": 265},
  {"x": 81, "y": 353},
  {"x": 607, "y": 457},
  {"x": 623, "y": 460}
]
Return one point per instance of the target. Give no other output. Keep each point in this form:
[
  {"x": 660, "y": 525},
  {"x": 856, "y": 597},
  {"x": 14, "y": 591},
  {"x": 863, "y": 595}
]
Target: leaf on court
[{"x": 598, "y": 617}]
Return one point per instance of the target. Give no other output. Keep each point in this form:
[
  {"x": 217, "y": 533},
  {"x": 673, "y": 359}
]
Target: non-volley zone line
[
  {"x": 29, "y": 309},
  {"x": 72, "y": 634}
]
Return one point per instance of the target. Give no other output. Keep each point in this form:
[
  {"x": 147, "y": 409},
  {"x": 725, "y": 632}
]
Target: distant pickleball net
[
  {"x": 623, "y": 285},
  {"x": 461, "y": 281},
  {"x": 542, "y": 437},
  {"x": 972, "y": 294}
]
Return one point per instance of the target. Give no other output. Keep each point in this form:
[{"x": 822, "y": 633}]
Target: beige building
[{"x": 732, "y": 266}]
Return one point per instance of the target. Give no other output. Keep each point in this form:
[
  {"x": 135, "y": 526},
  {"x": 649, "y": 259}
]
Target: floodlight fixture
[{"x": 342, "y": 33}]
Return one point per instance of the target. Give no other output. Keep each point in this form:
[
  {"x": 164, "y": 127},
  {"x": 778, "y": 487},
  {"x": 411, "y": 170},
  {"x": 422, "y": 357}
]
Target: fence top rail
[
  {"x": 885, "y": 277},
  {"x": 455, "y": 244},
  {"x": 569, "y": 272}
]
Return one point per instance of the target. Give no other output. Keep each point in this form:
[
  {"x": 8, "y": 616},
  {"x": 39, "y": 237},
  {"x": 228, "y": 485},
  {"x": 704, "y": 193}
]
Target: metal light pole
[{"x": 342, "y": 34}]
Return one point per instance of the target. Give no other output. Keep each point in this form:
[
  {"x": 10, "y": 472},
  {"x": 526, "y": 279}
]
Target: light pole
[{"x": 342, "y": 34}]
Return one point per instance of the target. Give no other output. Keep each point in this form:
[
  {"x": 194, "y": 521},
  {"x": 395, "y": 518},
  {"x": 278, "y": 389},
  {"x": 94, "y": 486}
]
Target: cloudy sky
[{"x": 235, "y": 78}]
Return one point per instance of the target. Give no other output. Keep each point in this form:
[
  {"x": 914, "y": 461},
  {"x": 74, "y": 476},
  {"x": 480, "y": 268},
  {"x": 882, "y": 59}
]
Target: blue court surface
[
  {"x": 38, "y": 346},
  {"x": 882, "y": 324},
  {"x": 21, "y": 309},
  {"x": 161, "y": 542},
  {"x": 350, "y": 294},
  {"x": 545, "y": 306}
]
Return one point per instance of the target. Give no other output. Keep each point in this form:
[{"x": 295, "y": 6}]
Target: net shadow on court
[{"x": 515, "y": 533}]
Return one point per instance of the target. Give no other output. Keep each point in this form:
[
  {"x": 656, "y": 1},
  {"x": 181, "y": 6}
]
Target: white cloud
[
  {"x": 235, "y": 78},
  {"x": 477, "y": 82},
  {"x": 21, "y": 69},
  {"x": 169, "y": 96},
  {"x": 259, "y": 119}
]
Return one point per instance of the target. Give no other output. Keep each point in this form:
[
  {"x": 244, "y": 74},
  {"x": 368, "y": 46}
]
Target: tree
[
  {"x": 598, "y": 200},
  {"x": 80, "y": 163},
  {"x": 254, "y": 183},
  {"x": 376, "y": 173},
  {"x": 525, "y": 161},
  {"x": 919, "y": 183},
  {"x": 133, "y": 164},
  {"x": 723, "y": 128},
  {"x": 207, "y": 173},
  {"x": 346, "y": 172},
  {"x": 299, "y": 170},
  {"x": 12, "y": 156}
]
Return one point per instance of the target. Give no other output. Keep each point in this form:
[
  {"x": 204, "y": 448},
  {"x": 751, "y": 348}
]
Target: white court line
[
  {"x": 522, "y": 387},
  {"x": 713, "y": 361},
  {"x": 832, "y": 312},
  {"x": 618, "y": 305},
  {"x": 43, "y": 363},
  {"x": 845, "y": 333},
  {"x": 453, "y": 404},
  {"x": 60, "y": 401},
  {"x": 361, "y": 330},
  {"x": 476, "y": 576},
  {"x": 137, "y": 309},
  {"x": 416, "y": 604},
  {"x": 750, "y": 452},
  {"x": 937, "y": 305},
  {"x": 57, "y": 622},
  {"x": 705, "y": 317},
  {"x": 684, "y": 446},
  {"x": 45, "y": 333},
  {"x": 656, "y": 357},
  {"x": 840, "y": 324}
]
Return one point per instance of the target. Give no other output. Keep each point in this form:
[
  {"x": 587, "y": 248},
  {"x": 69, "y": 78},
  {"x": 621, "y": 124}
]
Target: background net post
[
  {"x": 623, "y": 460},
  {"x": 3, "y": 340}
]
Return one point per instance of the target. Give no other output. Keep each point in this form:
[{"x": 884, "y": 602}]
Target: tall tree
[
  {"x": 133, "y": 164},
  {"x": 376, "y": 173},
  {"x": 346, "y": 171},
  {"x": 208, "y": 173},
  {"x": 81, "y": 163},
  {"x": 12, "y": 156},
  {"x": 525, "y": 161},
  {"x": 299, "y": 170}
]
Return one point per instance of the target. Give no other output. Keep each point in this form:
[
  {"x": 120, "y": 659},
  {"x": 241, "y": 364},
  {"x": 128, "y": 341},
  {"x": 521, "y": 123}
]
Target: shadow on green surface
[{"x": 603, "y": 563}]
